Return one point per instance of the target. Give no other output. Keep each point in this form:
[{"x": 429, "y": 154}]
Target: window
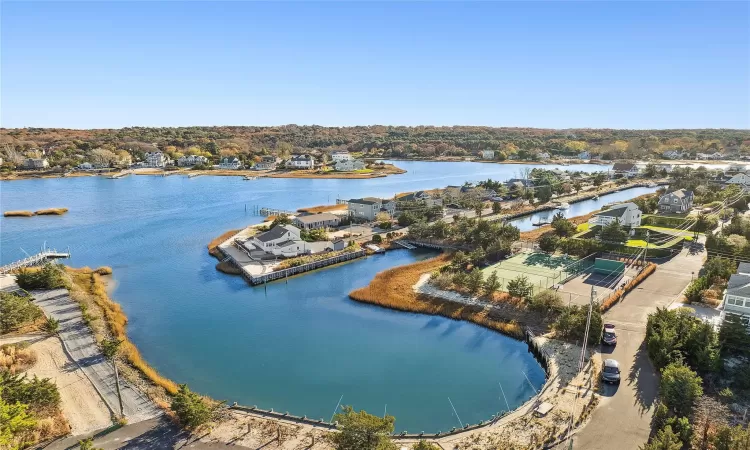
[{"x": 730, "y": 300}]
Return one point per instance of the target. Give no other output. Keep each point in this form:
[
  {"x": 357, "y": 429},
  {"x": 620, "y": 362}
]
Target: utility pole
[
  {"x": 648, "y": 239},
  {"x": 580, "y": 366}
]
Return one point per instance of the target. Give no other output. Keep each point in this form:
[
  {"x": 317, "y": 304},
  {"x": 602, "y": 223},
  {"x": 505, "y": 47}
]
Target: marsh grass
[
  {"x": 89, "y": 290},
  {"x": 16, "y": 358},
  {"x": 18, "y": 214},
  {"x": 322, "y": 208},
  {"x": 218, "y": 240},
  {"x": 51, "y": 212},
  {"x": 393, "y": 288}
]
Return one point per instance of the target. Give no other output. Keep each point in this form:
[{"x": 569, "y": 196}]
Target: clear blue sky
[{"x": 589, "y": 64}]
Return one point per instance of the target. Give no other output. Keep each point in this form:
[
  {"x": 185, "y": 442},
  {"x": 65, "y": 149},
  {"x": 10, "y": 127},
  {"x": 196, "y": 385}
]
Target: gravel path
[{"x": 81, "y": 346}]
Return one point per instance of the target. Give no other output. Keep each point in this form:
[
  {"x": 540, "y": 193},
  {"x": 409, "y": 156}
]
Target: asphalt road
[
  {"x": 623, "y": 419},
  {"x": 80, "y": 344}
]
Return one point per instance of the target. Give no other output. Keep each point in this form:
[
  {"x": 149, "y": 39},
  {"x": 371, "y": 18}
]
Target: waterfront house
[
  {"x": 421, "y": 198},
  {"x": 488, "y": 154},
  {"x": 36, "y": 163},
  {"x": 679, "y": 201},
  {"x": 281, "y": 240},
  {"x": 368, "y": 207},
  {"x": 543, "y": 156},
  {"x": 230, "y": 163},
  {"x": 301, "y": 162},
  {"x": 340, "y": 156},
  {"x": 349, "y": 165},
  {"x": 452, "y": 191},
  {"x": 313, "y": 221},
  {"x": 584, "y": 155},
  {"x": 191, "y": 160},
  {"x": 156, "y": 159},
  {"x": 625, "y": 169},
  {"x": 267, "y": 162},
  {"x": 627, "y": 214},
  {"x": 737, "y": 295},
  {"x": 85, "y": 166},
  {"x": 672, "y": 154},
  {"x": 741, "y": 179}
]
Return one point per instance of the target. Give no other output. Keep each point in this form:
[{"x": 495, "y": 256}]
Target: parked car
[
  {"x": 609, "y": 336},
  {"x": 611, "y": 371}
]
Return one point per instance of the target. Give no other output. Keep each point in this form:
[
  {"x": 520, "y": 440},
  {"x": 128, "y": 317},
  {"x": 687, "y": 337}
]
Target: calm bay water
[{"x": 299, "y": 345}]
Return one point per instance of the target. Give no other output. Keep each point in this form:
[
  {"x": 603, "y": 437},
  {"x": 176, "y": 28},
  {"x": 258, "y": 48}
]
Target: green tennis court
[{"x": 541, "y": 269}]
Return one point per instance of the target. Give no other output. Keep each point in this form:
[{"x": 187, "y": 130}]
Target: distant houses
[
  {"x": 420, "y": 197},
  {"x": 678, "y": 202},
  {"x": 301, "y": 162},
  {"x": 230, "y": 163},
  {"x": 157, "y": 160},
  {"x": 741, "y": 179},
  {"x": 625, "y": 169},
  {"x": 487, "y": 154},
  {"x": 36, "y": 163},
  {"x": 191, "y": 160},
  {"x": 584, "y": 155},
  {"x": 313, "y": 221},
  {"x": 267, "y": 162},
  {"x": 673, "y": 154},
  {"x": 340, "y": 156},
  {"x": 627, "y": 214},
  {"x": 349, "y": 165}
]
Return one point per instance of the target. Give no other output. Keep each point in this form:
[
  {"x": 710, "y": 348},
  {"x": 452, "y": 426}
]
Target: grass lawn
[
  {"x": 363, "y": 171},
  {"x": 665, "y": 230},
  {"x": 583, "y": 227}
]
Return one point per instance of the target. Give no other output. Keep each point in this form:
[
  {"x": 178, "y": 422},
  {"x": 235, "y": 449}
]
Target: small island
[{"x": 41, "y": 212}]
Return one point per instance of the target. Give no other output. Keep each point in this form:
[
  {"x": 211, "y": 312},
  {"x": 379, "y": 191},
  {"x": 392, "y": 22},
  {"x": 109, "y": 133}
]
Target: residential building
[
  {"x": 452, "y": 191},
  {"x": 543, "y": 156},
  {"x": 191, "y": 160},
  {"x": 679, "y": 201},
  {"x": 230, "y": 163},
  {"x": 421, "y": 197},
  {"x": 737, "y": 295},
  {"x": 281, "y": 240},
  {"x": 156, "y": 159},
  {"x": 488, "y": 154},
  {"x": 584, "y": 155},
  {"x": 625, "y": 169},
  {"x": 741, "y": 179},
  {"x": 267, "y": 162},
  {"x": 313, "y": 221},
  {"x": 36, "y": 163},
  {"x": 349, "y": 165},
  {"x": 340, "y": 156},
  {"x": 85, "y": 166},
  {"x": 672, "y": 154},
  {"x": 301, "y": 162},
  {"x": 627, "y": 214},
  {"x": 368, "y": 207}
]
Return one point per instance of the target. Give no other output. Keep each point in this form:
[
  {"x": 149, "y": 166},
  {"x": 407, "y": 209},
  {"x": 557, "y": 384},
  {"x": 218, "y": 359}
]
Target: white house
[
  {"x": 349, "y": 165},
  {"x": 737, "y": 295},
  {"x": 543, "y": 156},
  {"x": 488, "y": 154},
  {"x": 267, "y": 162},
  {"x": 36, "y": 163},
  {"x": 584, "y": 155},
  {"x": 301, "y": 162},
  {"x": 341, "y": 156},
  {"x": 85, "y": 166},
  {"x": 230, "y": 163},
  {"x": 625, "y": 169},
  {"x": 741, "y": 179},
  {"x": 313, "y": 221},
  {"x": 156, "y": 159},
  {"x": 627, "y": 214},
  {"x": 191, "y": 160},
  {"x": 369, "y": 207},
  {"x": 281, "y": 240},
  {"x": 672, "y": 154}
]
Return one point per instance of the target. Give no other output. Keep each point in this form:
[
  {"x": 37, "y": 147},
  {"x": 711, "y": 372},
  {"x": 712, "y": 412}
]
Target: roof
[
  {"x": 322, "y": 217},
  {"x": 302, "y": 158},
  {"x": 289, "y": 242},
  {"x": 744, "y": 268},
  {"x": 229, "y": 160},
  {"x": 365, "y": 201},
  {"x": 739, "y": 284},
  {"x": 625, "y": 167},
  {"x": 617, "y": 210},
  {"x": 276, "y": 232}
]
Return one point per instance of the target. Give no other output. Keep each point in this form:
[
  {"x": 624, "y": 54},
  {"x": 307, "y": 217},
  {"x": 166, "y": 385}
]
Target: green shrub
[
  {"x": 50, "y": 276},
  {"x": 190, "y": 408},
  {"x": 571, "y": 323},
  {"x": 362, "y": 431},
  {"x": 680, "y": 388},
  {"x": 16, "y": 311},
  {"x": 38, "y": 393}
]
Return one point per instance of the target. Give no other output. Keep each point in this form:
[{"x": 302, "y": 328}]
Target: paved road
[
  {"x": 623, "y": 419},
  {"x": 79, "y": 342}
]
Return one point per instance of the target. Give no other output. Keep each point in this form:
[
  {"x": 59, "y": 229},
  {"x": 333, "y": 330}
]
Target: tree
[
  {"x": 680, "y": 388},
  {"x": 191, "y": 409},
  {"x": 491, "y": 284},
  {"x": 613, "y": 233},
  {"x": 282, "y": 219},
  {"x": 734, "y": 337},
  {"x": 562, "y": 226},
  {"x": 475, "y": 281},
  {"x": 16, "y": 311},
  {"x": 520, "y": 287},
  {"x": 548, "y": 242},
  {"x": 496, "y": 208},
  {"x": 599, "y": 179},
  {"x": 362, "y": 431},
  {"x": 382, "y": 217},
  {"x": 377, "y": 239},
  {"x": 546, "y": 301},
  {"x": 665, "y": 439},
  {"x": 543, "y": 193},
  {"x": 50, "y": 276},
  {"x": 424, "y": 445},
  {"x": 14, "y": 421},
  {"x": 731, "y": 438}
]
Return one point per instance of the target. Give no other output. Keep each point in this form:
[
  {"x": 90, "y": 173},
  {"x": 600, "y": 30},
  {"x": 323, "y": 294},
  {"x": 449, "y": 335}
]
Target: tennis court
[{"x": 541, "y": 269}]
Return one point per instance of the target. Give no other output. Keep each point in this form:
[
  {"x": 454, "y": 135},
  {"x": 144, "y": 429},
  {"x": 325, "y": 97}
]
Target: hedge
[{"x": 618, "y": 294}]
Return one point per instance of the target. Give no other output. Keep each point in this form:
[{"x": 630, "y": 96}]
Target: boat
[
  {"x": 563, "y": 205},
  {"x": 541, "y": 223},
  {"x": 596, "y": 197},
  {"x": 249, "y": 177}
]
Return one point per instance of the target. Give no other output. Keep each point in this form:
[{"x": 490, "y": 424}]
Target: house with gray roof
[
  {"x": 320, "y": 220},
  {"x": 737, "y": 295},
  {"x": 627, "y": 214},
  {"x": 281, "y": 240},
  {"x": 625, "y": 169},
  {"x": 368, "y": 207},
  {"x": 678, "y": 202}
]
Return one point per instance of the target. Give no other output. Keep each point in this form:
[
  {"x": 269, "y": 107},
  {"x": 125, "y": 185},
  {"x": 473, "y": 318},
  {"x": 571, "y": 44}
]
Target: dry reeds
[
  {"x": 16, "y": 358},
  {"x": 18, "y": 214},
  {"x": 393, "y": 288},
  {"x": 89, "y": 281},
  {"x": 51, "y": 212},
  {"x": 617, "y": 295},
  {"x": 216, "y": 241},
  {"x": 104, "y": 270},
  {"x": 323, "y": 208},
  {"x": 228, "y": 268}
]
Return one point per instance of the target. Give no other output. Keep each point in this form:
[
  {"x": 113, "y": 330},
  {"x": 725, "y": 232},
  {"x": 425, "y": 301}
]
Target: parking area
[{"x": 577, "y": 290}]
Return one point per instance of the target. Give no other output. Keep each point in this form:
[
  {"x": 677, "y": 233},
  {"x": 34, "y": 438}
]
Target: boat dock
[
  {"x": 35, "y": 260},
  {"x": 272, "y": 211},
  {"x": 118, "y": 175}
]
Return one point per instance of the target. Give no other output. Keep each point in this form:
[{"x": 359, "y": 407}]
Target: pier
[
  {"x": 34, "y": 260},
  {"x": 272, "y": 211}
]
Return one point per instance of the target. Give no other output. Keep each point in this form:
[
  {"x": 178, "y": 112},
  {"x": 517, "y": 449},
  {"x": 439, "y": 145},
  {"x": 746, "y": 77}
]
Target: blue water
[{"x": 297, "y": 347}]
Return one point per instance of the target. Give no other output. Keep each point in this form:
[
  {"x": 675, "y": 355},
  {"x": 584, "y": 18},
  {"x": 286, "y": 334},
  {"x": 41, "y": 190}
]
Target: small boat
[
  {"x": 563, "y": 205},
  {"x": 249, "y": 177},
  {"x": 596, "y": 197},
  {"x": 541, "y": 223}
]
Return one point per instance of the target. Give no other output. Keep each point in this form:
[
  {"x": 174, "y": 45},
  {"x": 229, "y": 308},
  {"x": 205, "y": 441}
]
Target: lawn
[
  {"x": 583, "y": 227},
  {"x": 671, "y": 231}
]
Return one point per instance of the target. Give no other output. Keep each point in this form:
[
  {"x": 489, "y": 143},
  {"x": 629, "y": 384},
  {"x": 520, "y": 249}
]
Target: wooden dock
[{"x": 34, "y": 260}]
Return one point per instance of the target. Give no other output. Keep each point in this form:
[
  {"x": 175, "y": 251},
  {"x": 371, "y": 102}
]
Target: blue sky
[{"x": 557, "y": 65}]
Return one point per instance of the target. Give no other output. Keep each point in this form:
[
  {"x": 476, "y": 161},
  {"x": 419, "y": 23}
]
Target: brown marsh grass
[
  {"x": 617, "y": 295},
  {"x": 51, "y": 212},
  {"x": 18, "y": 214},
  {"x": 322, "y": 208},
  {"x": 88, "y": 288},
  {"x": 16, "y": 358},
  {"x": 393, "y": 288},
  {"x": 218, "y": 240}
]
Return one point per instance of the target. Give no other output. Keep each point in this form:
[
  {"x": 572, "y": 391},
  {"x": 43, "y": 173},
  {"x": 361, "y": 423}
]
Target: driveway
[
  {"x": 623, "y": 419},
  {"x": 80, "y": 344}
]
